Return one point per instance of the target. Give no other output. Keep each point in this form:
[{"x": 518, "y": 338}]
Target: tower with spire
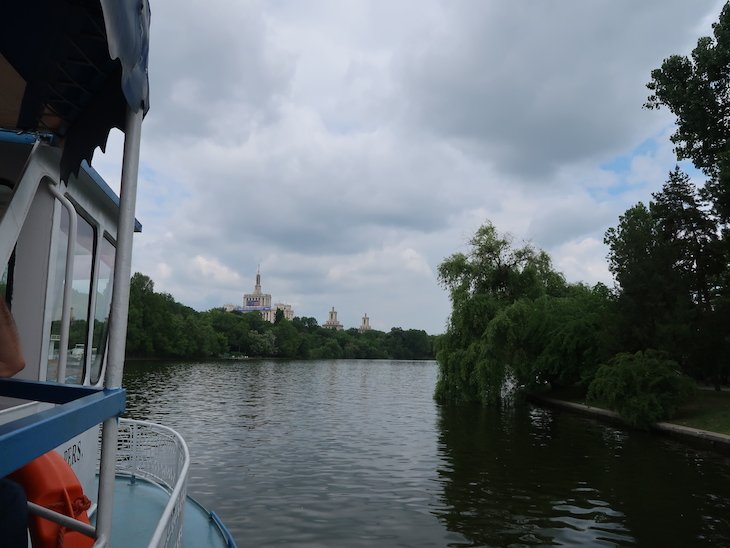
[
  {"x": 257, "y": 301},
  {"x": 257, "y": 288},
  {"x": 365, "y": 326},
  {"x": 333, "y": 322},
  {"x": 260, "y": 302}
]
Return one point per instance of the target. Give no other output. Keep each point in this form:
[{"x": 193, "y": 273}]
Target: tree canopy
[
  {"x": 516, "y": 324},
  {"x": 160, "y": 327},
  {"x": 696, "y": 90}
]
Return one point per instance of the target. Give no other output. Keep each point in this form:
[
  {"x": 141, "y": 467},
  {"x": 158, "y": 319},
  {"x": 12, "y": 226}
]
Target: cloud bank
[{"x": 349, "y": 147}]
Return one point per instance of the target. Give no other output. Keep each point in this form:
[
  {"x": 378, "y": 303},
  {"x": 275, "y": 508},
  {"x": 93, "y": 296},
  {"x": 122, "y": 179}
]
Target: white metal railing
[{"x": 157, "y": 454}]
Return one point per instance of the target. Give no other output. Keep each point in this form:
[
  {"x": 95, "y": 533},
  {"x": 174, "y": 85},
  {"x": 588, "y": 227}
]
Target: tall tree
[
  {"x": 642, "y": 269},
  {"x": 489, "y": 278},
  {"x": 668, "y": 264},
  {"x": 697, "y": 91},
  {"x": 691, "y": 236}
]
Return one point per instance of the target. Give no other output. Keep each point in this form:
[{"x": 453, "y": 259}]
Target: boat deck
[{"x": 138, "y": 506}]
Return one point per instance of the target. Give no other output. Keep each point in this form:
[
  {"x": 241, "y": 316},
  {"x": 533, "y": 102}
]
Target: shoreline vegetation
[
  {"x": 161, "y": 328},
  {"x": 641, "y": 348},
  {"x": 709, "y": 410}
]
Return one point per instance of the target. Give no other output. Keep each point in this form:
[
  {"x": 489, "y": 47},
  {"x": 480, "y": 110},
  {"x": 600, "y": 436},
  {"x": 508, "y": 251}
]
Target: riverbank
[{"x": 706, "y": 419}]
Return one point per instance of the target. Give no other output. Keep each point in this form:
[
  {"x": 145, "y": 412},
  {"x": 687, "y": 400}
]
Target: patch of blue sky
[
  {"x": 159, "y": 190},
  {"x": 621, "y": 166},
  {"x": 146, "y": 172}
]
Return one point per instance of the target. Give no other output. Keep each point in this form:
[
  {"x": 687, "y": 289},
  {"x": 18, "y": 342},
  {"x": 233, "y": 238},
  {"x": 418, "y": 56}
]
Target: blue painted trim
[
  {"x": 106, "y": 189},
  {"x": 28, "y": 138},
  {"x": 26, "y": 438},
  {"x": 18, "y": 137},
  {"x": 43, "y": 391},
  {"x": 230, "y": 542}
]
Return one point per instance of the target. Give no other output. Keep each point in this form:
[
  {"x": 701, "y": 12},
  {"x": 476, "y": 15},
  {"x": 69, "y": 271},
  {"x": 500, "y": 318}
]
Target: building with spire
[
  {"x": 260, "y": 302},
  {"x": 257, "y": 301},
  {"x": 333, "y": 322}
]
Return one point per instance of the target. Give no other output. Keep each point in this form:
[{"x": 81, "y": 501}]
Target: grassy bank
[{"x": 710, "y": 410}]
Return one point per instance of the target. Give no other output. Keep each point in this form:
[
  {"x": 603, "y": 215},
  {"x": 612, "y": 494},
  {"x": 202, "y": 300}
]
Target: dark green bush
[{"x": 642, "y": 388}]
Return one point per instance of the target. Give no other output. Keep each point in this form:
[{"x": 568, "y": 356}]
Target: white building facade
[{"x": 260, "y": 302}]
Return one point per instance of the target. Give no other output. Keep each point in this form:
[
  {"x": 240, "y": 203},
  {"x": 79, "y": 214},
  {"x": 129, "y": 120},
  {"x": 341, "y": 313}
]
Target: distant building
[
  {"x": 286, "y": 308},
  {"x": 260, "y": 302},
  {"x": 365, "y": 325},
  {"x": 332, "y": 322},
  {"x": 257, "y": 301}
]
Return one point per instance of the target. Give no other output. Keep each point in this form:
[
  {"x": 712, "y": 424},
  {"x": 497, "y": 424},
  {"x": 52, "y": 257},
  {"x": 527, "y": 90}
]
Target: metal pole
[
  {"x": 62, "y": 519},
  {"x": 118, "y": 314},
  {"x": 123, "y": 262}
]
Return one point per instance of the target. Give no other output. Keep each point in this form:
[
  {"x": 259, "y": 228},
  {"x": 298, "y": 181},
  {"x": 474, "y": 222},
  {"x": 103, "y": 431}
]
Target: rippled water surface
[{"x": 356, "y": 453}]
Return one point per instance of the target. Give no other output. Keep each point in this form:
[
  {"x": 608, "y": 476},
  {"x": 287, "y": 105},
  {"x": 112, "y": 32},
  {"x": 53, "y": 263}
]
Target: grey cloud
[
  {"x": 320, "y": 201},
  {"x": 568, "y": 219},
  {"x": 313, "y": 137},
  {"x": 534, "y": 86},
  {"x": 215, "y": 70}
]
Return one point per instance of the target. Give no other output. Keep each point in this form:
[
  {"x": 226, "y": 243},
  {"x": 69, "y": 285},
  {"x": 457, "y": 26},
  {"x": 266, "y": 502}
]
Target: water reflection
[
  {"x": 528, "y": 476},
  {"x": 356, "y": 453}
]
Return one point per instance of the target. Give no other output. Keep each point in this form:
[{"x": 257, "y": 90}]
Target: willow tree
[{"x": 483, "y": 282}]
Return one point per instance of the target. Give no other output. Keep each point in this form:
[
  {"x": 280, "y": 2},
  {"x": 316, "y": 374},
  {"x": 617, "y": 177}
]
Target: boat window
[
  {"x": 80, "y": 292},
  {"x": 57, "y": 296},
  {"x": 103, "y": 306}
]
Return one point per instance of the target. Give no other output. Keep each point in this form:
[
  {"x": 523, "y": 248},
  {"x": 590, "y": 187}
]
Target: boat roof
[
  {"x": 87, "y": 175},
  {"x": 58, "y": 81}
]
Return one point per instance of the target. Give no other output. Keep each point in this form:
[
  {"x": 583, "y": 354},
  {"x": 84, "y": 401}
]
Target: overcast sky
[{"x": 349, "y": 146}]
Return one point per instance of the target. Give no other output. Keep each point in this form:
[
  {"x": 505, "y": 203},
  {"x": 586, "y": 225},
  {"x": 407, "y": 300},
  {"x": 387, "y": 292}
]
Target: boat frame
[{"x": 56, "y": 142}]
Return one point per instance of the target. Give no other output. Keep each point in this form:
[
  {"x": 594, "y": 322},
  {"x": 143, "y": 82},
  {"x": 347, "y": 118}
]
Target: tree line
[
  {"x": 160, "y": 327},
  {"x": 517, "y": 325}
]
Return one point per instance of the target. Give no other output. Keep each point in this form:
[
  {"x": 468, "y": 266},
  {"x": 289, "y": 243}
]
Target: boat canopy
[{"x": 58, "y": 82}]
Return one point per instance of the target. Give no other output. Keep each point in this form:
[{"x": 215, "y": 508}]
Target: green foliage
[
  {"x": 697, "y": 91},
  {"x": 161, "y": 327},
  {"x": 643, "y": 388},
  {"x": 515, "y": 321},
  {"x": 287, "y": 338},
  {"x": 668, "y": 261},
  {"x": 278, "y": 316}
]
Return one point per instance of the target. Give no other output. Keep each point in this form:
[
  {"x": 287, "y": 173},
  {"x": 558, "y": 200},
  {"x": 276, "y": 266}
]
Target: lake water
[{"x": 357, "y": 453}]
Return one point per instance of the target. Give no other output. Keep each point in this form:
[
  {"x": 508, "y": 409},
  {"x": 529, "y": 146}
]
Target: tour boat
[{"x": 70, "y": 70}]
